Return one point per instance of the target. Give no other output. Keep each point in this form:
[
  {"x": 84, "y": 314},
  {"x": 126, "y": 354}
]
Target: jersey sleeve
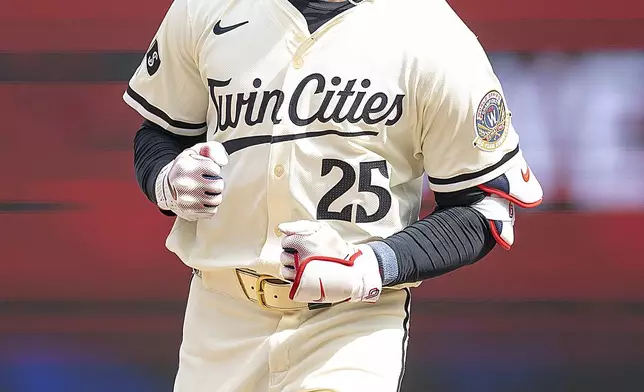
[
  {"x": 167, "y": 88},
  {"x": 467, "y": 135}
]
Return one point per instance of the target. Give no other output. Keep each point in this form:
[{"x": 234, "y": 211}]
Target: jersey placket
[
  {"x": 279, "y": 202},
  {"x": 279, "y": 175}
]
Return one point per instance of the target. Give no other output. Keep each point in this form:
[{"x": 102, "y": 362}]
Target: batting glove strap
[
  {"x": 323, "y": 279},
  {"x": 163, "y": 191},
  {"x": 371, "y": 278}
]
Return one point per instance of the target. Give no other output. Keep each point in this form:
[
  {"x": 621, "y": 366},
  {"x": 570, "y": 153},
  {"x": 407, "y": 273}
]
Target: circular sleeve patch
[{"x": 492, "y": 121}]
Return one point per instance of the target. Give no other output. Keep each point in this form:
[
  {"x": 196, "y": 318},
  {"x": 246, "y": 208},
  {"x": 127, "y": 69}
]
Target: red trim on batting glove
[{"x": 300, "y": 266}]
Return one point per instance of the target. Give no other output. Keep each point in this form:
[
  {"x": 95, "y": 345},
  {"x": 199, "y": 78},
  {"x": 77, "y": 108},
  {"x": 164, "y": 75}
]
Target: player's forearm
[
  {"x": 442, "y": 242},
  {"x": 154, "y": 147}
]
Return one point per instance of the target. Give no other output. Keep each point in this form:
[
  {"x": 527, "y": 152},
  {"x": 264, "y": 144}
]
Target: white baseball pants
[{"x": 230, "y": 344}]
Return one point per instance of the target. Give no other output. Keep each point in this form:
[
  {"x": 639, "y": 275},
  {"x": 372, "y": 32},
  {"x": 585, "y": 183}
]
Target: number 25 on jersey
[{"x": 364, "y": 176}]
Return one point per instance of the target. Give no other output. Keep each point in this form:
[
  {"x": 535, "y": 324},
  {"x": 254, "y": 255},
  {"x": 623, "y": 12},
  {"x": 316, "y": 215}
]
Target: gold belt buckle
[
  {"x": 260, "y": 284},
  {"x": 259, "y": 292}
]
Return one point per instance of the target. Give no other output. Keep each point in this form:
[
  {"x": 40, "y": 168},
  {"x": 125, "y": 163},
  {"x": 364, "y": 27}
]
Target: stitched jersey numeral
[{"x": 348, "y": 180}]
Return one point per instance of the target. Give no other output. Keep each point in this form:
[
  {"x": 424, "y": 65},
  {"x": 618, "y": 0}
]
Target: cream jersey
[{"x": 339, "y": 125}]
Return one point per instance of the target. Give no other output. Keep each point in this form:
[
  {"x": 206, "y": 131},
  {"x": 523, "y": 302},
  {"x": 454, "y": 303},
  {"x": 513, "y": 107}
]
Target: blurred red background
[
  {"x": 501, "y": 24},
  {"x": 76, "y": 229}
]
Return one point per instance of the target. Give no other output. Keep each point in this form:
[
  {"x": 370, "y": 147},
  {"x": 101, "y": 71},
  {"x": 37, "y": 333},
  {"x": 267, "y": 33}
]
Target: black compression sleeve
[
  {"x": 154, "y": 147},
  {"x": 444, "y": 241}
]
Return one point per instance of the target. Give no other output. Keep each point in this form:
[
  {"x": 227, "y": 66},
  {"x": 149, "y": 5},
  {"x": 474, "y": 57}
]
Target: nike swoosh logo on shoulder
[
  {"x": 322, "y": 293},
  {"x": 219, "y": 29}
]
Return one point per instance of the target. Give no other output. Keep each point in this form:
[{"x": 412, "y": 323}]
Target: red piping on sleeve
[
  {"x": 510, "y": 198},
  {"x": 497, "y": 236}
]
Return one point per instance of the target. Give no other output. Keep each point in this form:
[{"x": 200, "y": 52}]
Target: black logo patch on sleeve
[{"x": 152, "y": 59}]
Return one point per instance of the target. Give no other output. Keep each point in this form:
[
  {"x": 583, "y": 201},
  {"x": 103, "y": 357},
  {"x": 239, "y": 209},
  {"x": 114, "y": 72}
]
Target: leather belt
[{"x": 267, "y": 291}]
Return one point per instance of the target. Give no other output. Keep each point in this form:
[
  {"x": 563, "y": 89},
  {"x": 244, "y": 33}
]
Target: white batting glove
[
  {"x": 324, "y": 268},
  {"x": 190, "y": 186}
]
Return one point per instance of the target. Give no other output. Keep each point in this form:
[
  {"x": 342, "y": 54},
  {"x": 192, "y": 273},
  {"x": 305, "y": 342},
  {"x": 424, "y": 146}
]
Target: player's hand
[
  {"x": 324, "y": 268},
  {"x": 190, "y": 186}
]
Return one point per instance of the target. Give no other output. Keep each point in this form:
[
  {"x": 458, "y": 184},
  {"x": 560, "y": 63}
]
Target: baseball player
[{"x": 290, "y": 139}]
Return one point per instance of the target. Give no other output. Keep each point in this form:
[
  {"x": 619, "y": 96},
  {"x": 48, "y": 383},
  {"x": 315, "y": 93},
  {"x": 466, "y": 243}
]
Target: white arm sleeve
[
  {"x": 167, "y": 88},
  {"x": 467, "y": 135}
]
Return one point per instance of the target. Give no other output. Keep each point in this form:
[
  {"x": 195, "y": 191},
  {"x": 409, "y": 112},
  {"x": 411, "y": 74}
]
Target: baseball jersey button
[
  {"x": 279, "y": 170},
  {"x": 277, "y": 231},
  {"x": 297, "y": 63}
]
